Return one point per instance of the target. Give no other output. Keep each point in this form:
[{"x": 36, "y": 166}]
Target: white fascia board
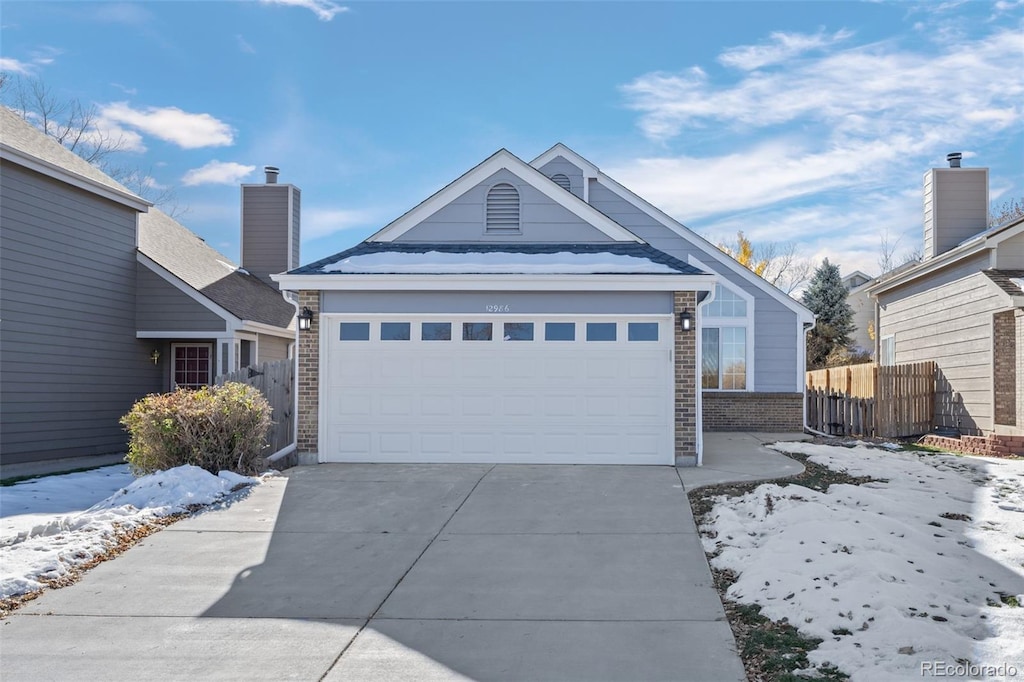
[
  {"x": 267, "y": 329},
  {"x": 172, "y": 334},
  {"x": 933, "y": 265},
  {"x": 8, "y": 153},
  {"x": 504, "y": 160},
  {"x": 589, "y": 169},
  {"x": 232, "y": 321},
  {"x": 531, "y": 282},
  {"x": 707, "y": 247}
]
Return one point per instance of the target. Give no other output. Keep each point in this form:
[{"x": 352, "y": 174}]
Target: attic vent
[
  {"x": 562, "y": 180},
  {"x": 503, "y": 208}
]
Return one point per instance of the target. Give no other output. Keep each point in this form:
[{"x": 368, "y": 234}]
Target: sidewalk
[{"x": 735, "y": 457}]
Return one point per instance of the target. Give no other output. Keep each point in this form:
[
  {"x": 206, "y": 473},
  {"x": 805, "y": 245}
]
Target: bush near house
[{"x": 215, "y": 427}]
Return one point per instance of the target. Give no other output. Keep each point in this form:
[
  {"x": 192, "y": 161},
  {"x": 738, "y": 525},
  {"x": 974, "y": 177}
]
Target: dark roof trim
[{"x": 615, "y": 248}]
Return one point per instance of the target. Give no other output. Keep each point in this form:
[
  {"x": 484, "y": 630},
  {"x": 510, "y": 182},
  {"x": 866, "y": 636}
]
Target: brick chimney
[
  {"x": 270, "y": 227},
  {"x": 955, "y": 205}
]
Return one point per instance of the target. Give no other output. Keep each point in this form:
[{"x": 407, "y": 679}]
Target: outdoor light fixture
[
  {"x": 155, "y": 357},
  {"x": 305, "y": 320},
  {"x": 685, "y": 321}
]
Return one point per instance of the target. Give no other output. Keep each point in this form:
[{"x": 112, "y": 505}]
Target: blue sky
[{"x": 804, "y": 122}]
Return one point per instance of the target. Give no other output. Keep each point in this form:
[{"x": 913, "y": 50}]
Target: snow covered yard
[
  {"x": 52, "y": 527},
  {"x": 915, "y": 569}
]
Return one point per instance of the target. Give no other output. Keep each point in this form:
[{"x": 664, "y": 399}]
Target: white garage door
[{"x": 497, "y": 389}]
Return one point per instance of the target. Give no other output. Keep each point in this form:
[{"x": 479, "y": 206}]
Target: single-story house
[
  {"x": 104, "y": 299},
  {"x": 539, "y": 312},
  {"x": 961, "y": 306}
]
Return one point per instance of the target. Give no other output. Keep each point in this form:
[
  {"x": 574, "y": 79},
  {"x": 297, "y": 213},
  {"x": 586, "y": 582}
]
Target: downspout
[
  {"x": 803, "y": 389},
  {"x": 698, "y": 315}
]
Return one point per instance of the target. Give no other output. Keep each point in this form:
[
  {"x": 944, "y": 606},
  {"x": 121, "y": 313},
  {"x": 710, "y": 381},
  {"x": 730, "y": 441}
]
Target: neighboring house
[
  {"x": 863, "y": 307},
  {"x": 104, "y": 299},
  {"x": 534, "y": 312},
  {"x": 961, "y": 306}
]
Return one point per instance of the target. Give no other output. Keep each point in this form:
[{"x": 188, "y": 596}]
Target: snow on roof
[
  {"x": 497, "y": 262},
  {"x": 1017, "y": 282}
]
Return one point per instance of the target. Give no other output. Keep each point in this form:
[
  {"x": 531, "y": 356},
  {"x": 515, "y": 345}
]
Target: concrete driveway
[{"x": 400, "y": 572}]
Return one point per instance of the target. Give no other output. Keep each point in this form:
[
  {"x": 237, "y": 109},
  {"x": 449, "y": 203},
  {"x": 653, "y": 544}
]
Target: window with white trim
[
  {"x": 502, "y": 209},
  {"x": 724, "y": 341},
  {"x": 191, "y": 364},
  {"x": 887, "y": 350}
]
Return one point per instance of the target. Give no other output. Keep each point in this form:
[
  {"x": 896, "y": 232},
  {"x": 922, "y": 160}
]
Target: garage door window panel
[
  {"x": 643, "y": 331},
  {"x": 560, "y": 331},
  {"x": 355, "y": 331},
  {"x": 436, "y": 331},
  {"x": 395, "y": 331},
  {"x": 601, "y": 331},
  {"x": 477, "y": 331},
  {"x": 518, "y": 331}
]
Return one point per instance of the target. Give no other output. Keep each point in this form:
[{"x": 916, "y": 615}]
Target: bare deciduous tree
[
  {"x": 888, "y": 260},
  {"x": 775, "y": 262},
  {"x": 1005, "y": 212},
  {"x": 76, "y": 126}
]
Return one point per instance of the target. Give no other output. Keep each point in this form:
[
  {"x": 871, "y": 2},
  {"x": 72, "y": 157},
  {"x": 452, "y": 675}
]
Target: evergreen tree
[{"x": 826, "y": 298}]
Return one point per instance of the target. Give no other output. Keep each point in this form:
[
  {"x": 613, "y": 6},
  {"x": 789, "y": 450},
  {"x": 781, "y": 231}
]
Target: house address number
[{"x": 498, "y": 308}]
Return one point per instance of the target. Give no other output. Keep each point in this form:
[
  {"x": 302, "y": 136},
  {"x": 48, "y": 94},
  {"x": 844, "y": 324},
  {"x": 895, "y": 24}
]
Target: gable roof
[
  {"x": 1010, "y": 282},
  {"x": 713, "y": 252},
  {"x": 597, "y": 259},
  {"x": 186, "y": 256},
  {"x": 26, "y": 145},
  {"x": 983, "y": 241},
  {"x": 503, "y": 160}
]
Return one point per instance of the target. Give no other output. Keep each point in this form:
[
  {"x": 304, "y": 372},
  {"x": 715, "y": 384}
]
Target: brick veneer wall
[
  {"x": 1004, "y": 368},
  {"x": 1019, "y": 352},
  {"x": 768, "y": 412},
  {"x": 309, "y": 377},
  {"x": 686, "y": 379}
]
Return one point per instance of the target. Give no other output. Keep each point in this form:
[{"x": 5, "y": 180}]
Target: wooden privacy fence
[
  {"x": 275, "y": 381},
  {"x": 871, "y": 400}
]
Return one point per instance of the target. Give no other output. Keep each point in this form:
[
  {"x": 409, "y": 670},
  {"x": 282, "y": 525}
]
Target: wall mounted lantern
[
  {"x": 685, "y": 321},
  {"x": 305, "y": 320},
  {"x": 155, "y": 357}
]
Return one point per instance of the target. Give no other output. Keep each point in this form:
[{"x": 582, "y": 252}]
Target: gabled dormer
[{"x": 504, "y": 199}]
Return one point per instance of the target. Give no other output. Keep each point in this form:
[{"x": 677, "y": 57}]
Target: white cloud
[
  {"x": 244, "y": 44},
  {"x": 125, "y": 89},
  {"x": 882, "y": 87},
  {"x": 217, "y": 173},
  {"x": 323, "y": 9},
  {"x": 187, "y": 130},
  {"x": 780, "y": 47},
  {"x": 15, "y": 66},
  {"x": 321, "y": 222},
  {"x": 842, "y": 140}
]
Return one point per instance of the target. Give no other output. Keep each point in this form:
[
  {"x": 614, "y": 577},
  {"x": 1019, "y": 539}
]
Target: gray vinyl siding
[
  {"x": 70, "y": 365},
  {"x": 295, "y": 231},
  {"x": 775, "y": 325},
  {"x": 955, "y": 207},
  {"x": 1010, "y": 253},
  {"x": 160, "y": 306},
  {"x": 947, "y": 317},
  {"x": 560, "y": 165},
  {"x": 541, "y": 219},
  {"x": 519, "y": 303},
  {"x": 273, "y": 348},
  {"x": 266, "y": 223}
]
